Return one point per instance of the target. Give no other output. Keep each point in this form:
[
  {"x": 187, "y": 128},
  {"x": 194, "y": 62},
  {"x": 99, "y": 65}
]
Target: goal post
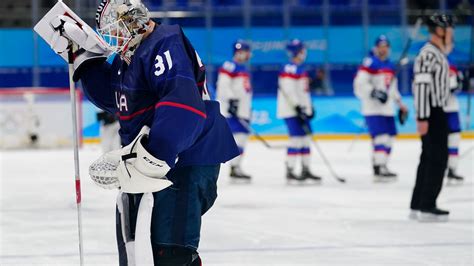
[{"x": 37, "y": 118}]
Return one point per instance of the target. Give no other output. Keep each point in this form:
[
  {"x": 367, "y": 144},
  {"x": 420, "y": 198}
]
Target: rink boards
[{"x": 336, "y": 118}]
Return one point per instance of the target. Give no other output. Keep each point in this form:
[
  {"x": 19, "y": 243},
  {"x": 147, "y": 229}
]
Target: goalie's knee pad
[{"x": 175, "y": 256}]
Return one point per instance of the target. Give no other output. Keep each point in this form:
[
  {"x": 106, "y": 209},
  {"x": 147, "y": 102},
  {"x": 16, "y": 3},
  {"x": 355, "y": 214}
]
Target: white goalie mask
[{"x": 122, "y": 23}]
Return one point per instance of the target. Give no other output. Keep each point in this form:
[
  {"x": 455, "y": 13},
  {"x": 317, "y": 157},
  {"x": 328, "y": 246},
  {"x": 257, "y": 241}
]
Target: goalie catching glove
[
  {"x": 131, "y": 168},
  {"x": 87, "y": 48}
]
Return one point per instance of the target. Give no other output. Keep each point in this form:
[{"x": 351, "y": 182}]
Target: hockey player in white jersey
[
  {"x": 452, "y": 113},
  {"x": 376, "y": 86},
  {"x": 234, "y": 92},
  {"x": 295, "y": 106}
]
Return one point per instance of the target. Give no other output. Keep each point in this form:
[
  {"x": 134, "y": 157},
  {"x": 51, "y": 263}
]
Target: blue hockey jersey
[{"x": 164, "y": 88}]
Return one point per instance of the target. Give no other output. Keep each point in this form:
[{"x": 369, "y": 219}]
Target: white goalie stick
[
  {"x": 45, "y": 30},
  {"x": 308, "y": 133}
]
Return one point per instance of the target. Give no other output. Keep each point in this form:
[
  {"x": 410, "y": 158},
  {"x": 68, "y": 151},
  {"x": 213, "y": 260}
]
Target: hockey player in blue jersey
[
  {"x": 295, "y": 107},
  {"x": 174, "y": 138},
  {"x": 376, "y": 86},
  {"x": 234, "y": 92}
]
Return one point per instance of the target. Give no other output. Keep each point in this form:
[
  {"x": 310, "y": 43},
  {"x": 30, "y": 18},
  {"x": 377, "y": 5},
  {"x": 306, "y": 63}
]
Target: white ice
[{"x": 267, "y": 222}]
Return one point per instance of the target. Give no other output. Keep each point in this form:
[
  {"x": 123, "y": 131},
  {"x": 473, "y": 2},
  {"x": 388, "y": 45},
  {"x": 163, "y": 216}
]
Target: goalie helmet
[{"x": 122, "y": 23}]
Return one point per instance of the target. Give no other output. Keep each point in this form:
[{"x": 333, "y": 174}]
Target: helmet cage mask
[
  {"x": 122, "y": 25},
  {"x": 116, "y": 35}
]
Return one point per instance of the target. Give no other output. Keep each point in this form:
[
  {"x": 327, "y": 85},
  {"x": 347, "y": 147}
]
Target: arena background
[{"x": 338, "y": 35}]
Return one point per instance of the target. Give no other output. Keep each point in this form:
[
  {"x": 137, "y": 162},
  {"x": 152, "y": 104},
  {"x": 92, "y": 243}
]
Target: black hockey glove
[
  {"x": 300, "y": 115},
  {"x": 402, "y": 116},
  {"x": 381, "y": 96},
  {"x": 233, "y": 107}
]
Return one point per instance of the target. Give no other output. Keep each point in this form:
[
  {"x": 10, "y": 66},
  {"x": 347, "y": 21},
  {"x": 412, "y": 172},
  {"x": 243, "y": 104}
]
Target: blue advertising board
[
  {"x": 344, "y": 45},
  {"x": 334, "y": 115}
]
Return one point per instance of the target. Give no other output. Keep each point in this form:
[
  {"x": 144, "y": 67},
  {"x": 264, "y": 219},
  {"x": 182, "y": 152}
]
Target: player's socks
[
  {"x": 306, "y": 174},
  {"x": 237, "y": 173}
]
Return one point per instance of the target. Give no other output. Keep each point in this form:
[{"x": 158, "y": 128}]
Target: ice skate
[
  {"x": 383, "y": 175},
  {"x": 291, "y": 176},
  {"x": 454, "y": 178},
  {"x": 306, "y": 174},
  {"x": 236, "y": 173},
  {"x": 433, "y": 215}
]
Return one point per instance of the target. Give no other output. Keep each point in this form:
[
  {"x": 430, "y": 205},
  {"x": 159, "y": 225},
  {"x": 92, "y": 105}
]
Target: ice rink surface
[{"x": 267, "y": 222}]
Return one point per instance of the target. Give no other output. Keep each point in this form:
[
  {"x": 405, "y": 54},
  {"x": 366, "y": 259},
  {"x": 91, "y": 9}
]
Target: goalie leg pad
[{"x": 134, "y": 214}]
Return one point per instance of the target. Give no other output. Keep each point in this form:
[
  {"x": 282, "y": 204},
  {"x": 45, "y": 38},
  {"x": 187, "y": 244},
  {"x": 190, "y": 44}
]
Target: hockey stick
[
  {"x": 308, "y": 133},
  {"x": 258, "y": 136},
  {"x": 325, "y": 160},
  {"x": 357, "y": 137},
  {"x": 72, "y": 90},
  {"x": 403, "y": 60}
]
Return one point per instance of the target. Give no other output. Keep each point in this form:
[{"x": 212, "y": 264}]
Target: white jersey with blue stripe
[
  {"x": 233, "y": 83},
  {"x": 293, "y": 91},
  {"x": 452, "y": 104},
  {"x": 380, "y": 75}
]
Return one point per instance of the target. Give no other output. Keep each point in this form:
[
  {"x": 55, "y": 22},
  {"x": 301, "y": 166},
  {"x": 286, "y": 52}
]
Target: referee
[{"x": 431, "y": 91}]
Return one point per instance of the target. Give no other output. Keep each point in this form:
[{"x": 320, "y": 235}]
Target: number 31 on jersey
[{"x": 160, "y": 66}]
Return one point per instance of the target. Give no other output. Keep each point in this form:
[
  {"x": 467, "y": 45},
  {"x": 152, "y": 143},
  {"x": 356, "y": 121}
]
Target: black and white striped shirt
[{"x": 431, "y": 81}]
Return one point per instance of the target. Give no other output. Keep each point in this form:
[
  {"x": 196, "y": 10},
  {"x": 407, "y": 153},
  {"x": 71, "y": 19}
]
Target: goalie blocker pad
[{"x": 45, "y": 29}]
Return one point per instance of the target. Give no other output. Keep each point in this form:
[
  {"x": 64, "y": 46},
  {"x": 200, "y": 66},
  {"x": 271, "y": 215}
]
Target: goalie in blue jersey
[{"x": 173, "y": 136}]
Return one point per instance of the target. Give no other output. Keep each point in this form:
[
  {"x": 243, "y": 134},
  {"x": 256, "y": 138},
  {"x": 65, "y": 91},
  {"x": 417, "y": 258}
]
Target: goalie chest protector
[{"x": 164, "y": 88}]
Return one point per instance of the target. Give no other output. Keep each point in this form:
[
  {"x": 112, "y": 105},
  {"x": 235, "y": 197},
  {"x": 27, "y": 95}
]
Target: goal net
[{"x": 37, "y": 118}]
